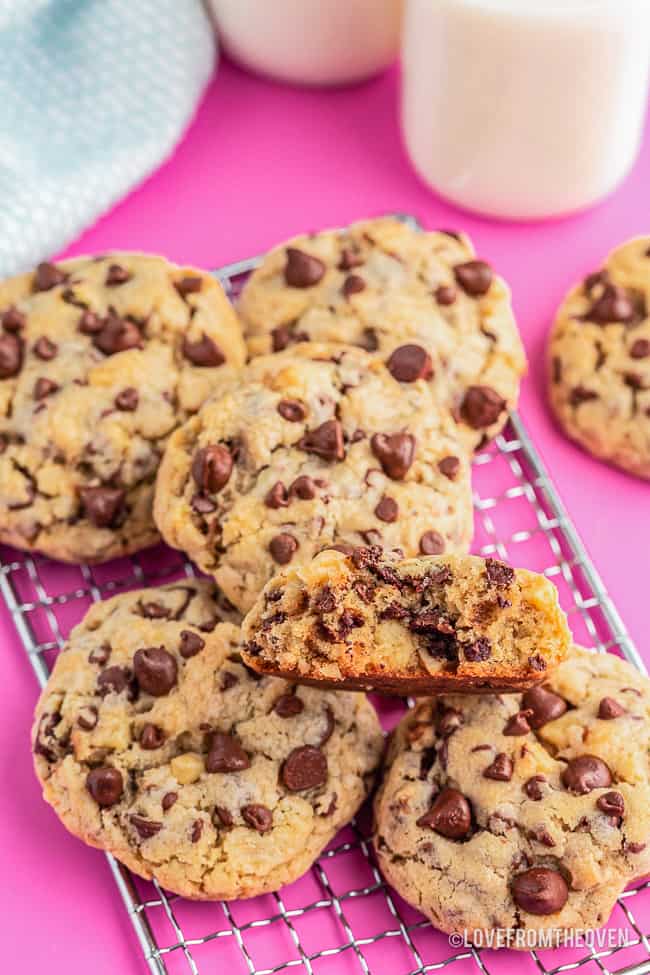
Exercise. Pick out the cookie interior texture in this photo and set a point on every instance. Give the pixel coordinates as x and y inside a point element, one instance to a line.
<point>312,447</point>
<point>413,626</point>
<point>599,360</point>
<point>408,295</point>
<point>525,812</point>
<point>154,742</point>
<point>100,360</point>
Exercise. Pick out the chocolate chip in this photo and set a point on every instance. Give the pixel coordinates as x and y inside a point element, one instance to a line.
<point>533,787</point>
<point>258,817</point>
<point>189,285</point>
<point>304,768</point>
<point>90,323</point>
<point>450,815</point>
<point>154,611</point>
<point>11,355</point>
<point>369,340</point>
<point>409,363</point>
<point>449,466</point>
<point>325,441</point>
<point>291,410</point>
<point>395,453</point>
<point>44,387</point>
<point>432,543</point>
<point>640,349</point>
<point>536,662</point>
<point>585,773</point>
<point>448,722</point>
<point>352,285</point>
<point>226,755</point>
<point>481,407</point>
<point>145,828</point>
<point>105,785</point>
<point>48,276</point>
<point>228,680</point>
<point>282,548</point>
<point>518,724</point>
<point>474,277</point>
<point>288,705</point>
<point>223,816</point>
<point>609,708</point>
<point>635,847</point>
<point>479,650</point>
<point>13,320</point>
<point>540,891</point>
<point>113,680</point>
<point>116,275</point>
<point>127,400</point>
<point>612,804</point>
<point>499,574</point>
<point>151,737</point>
<point>580,395</point>
<point>45,349</point>
<point>277,496</point>
<point>117,335</point>
<point>156,670</point>
<point>168,800</point>
<point>445,295</point>
<point>99,655</point>
<point>614,305</point>
<point>280,338</point>
<point>212,467</point>
<point>303,487</point>
<point>204,352</point>
<point>190,645</point>
<point>197,830</point>
<point>349,259</point>
<point>302,270</point>
<point>87,717</point>
<point>387,509</point>
<point>544,706</point>
<point>102,505</point>
<point>325,601</point>
<point>500,769</point>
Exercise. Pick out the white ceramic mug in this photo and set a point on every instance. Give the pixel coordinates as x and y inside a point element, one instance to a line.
<point>311,42</point>
<point>524,108</point>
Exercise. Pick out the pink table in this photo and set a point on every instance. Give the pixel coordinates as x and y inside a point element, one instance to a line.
<point>260,163</point>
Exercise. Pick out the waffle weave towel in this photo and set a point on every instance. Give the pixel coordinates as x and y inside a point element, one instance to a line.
<point>94,94</point>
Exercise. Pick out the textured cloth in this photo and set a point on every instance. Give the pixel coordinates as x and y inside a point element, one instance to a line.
<point>94,94</point>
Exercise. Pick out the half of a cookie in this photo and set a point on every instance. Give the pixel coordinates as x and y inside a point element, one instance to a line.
<point>416,626</point>
<point>154,742</point>
<point>101,358</point>
<point>521,815</point>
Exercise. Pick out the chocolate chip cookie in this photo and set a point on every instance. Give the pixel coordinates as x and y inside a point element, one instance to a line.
<point>100,359</point>
<point>422,301</point>
<point>154,742</point>
<point>599,360</point>
<point>316,446</point>
<point>527,812</point>
<point>414,626</point>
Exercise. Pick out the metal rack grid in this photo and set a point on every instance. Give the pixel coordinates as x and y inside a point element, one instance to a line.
<point>341,917</point>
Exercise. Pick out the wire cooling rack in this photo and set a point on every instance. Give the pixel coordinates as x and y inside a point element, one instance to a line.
<point>341,918</point>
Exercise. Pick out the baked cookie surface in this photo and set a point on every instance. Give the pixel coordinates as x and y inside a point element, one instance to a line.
<point>414,626</point>
<point>100,359</point>
<point>419,300</point>
<point>153,742</point>
<point>531,812</point>
<point>599,360</point>
<point>309,448</point>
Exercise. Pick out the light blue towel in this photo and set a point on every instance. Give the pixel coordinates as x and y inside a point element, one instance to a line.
<point>94,94</point>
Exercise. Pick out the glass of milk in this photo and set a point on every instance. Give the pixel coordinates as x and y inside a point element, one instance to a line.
<point>310,42</point>
<point>524,109</point>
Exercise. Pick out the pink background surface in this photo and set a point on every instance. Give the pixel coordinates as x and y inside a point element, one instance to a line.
<point>259,163</point>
